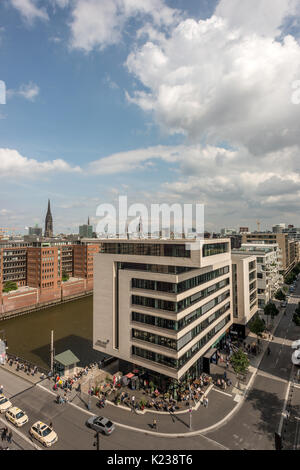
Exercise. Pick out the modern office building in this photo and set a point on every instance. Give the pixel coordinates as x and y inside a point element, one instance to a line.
<point>227,231</point>
<point>35,231</point>
<point>244,292</point>
<point>161,307</point>
<point>278,228</point>
<point>286,246</point>
<point>86,231</point>
<point>268,265</point>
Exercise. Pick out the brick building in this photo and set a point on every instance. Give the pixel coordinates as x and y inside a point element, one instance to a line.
<point>38,270</point>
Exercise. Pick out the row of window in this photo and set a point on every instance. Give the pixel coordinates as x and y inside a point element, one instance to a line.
<point>181,286</point>
<point>154,268</point>
<point>147,249</point>
<point>179,344</point>
<point>179,363</point>
<point>215,249</point>
<point>178,325</point>
<point>181,304</point>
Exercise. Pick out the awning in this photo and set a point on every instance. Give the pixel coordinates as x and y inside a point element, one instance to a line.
<point>210,353</point>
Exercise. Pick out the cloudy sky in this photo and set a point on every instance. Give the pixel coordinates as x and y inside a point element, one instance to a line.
<point>163,101</point>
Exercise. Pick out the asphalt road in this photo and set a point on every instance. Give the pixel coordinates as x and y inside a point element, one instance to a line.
<point>69,423</point>
<point>254,425</point>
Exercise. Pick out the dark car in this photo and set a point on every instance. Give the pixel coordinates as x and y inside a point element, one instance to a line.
<point>100,424</point>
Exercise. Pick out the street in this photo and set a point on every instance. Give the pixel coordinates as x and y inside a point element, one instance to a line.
<point>252,427</point>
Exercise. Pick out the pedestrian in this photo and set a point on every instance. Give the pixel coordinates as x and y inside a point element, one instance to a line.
<point>227,364</point>
<point>1,388</point>
<point>268,351</point>
<point>225,375</point>
<point>205,402</point>
<point>4,433</point>
<point>154,426</point>
<point>9,437</point>
<point>51,425</point>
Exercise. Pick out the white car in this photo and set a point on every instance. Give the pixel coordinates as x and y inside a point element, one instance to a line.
<point>16,416</point>
<point>43,433</point>
<point>296,358</point>
<point>296,344</point>
<point>5,404</point>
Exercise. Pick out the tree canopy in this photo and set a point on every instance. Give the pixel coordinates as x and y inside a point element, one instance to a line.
<point>9,285</point>
<point>239,362</point>
<point>257,325</point>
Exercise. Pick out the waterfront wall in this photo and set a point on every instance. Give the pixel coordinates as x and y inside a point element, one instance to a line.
<point>30,299</point>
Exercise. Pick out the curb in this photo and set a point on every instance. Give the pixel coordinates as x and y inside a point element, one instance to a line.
<point>10,371</point>
<point>140,412</point>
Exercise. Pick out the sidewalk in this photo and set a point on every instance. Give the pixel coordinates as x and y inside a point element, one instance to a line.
<point>32,379</point>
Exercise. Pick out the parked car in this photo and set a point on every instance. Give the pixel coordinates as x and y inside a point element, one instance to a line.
<point>296,358</point>
<point>5,404</point>
<point>16,416</point>
<point>43,433</point>
<point>100,424</point>
<point>296,344</point>
<point>283,304</point>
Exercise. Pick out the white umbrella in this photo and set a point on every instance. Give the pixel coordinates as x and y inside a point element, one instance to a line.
<point>296,344</point>
<point>296,358</point>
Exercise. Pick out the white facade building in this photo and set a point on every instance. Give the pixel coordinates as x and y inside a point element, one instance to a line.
<point>159,307</point>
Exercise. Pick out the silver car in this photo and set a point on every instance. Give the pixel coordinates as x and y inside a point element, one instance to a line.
<point>100,424</point>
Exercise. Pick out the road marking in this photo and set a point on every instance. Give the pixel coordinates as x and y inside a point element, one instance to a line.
<point>144,431</point>
<point>221,391</point>
<point>19,433</point>
<point>283,413</point>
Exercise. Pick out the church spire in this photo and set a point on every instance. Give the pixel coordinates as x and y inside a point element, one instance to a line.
<point>48,222</point>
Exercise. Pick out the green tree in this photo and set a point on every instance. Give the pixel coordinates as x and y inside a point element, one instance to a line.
<point>271,310</point>
<point>65,276</point>
<point>240,364</point>
<point>280,295</point>
<point>290,278</point>
<point>9,285</point>
<point>296,316</point>
<point>296,319</point>
<point>257,326</point>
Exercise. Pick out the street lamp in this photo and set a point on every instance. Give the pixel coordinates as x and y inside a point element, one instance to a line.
<point>190,410</point>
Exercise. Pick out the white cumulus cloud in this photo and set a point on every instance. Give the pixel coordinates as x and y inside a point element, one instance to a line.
<point>28,91</point>
<point>30,10</point>
<point>209,80</point>
<point>96,24</point>
<point>13,164</point>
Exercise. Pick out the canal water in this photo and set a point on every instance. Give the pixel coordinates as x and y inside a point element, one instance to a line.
<point>28,336</point>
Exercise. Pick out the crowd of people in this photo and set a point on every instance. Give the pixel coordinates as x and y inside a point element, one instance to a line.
<point>6,436</point>
<point>22,365</point>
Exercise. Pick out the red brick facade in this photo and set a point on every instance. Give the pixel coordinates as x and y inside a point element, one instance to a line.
<point>43,275</point>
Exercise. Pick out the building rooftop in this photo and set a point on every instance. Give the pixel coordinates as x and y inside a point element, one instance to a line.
<point>67,358</point>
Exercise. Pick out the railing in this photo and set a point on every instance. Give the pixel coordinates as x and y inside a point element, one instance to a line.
<point>26,363</point>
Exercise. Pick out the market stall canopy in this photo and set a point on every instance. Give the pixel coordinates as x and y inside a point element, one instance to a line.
<point>67,358</point>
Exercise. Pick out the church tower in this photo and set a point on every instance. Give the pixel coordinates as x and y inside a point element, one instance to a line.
<point>48,222</point>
